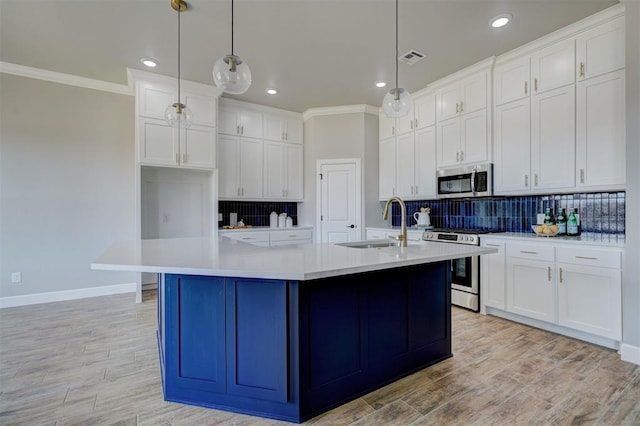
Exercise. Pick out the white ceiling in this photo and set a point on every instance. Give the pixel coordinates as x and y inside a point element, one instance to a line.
<point>316,52</point>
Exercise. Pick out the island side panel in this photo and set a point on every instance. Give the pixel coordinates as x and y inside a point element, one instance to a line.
<point>360,332</point>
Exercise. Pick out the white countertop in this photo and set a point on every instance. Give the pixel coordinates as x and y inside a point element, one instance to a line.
<point>221,256</point>
<point>599,240</point>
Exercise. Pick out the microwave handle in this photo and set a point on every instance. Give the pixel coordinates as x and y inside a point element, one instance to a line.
<point>473,181</point>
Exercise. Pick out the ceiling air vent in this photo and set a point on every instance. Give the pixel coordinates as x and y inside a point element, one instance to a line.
<point>411,57</point>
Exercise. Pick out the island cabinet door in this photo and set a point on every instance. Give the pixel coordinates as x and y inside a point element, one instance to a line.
<point>194,334</point>
<point>257,359</point>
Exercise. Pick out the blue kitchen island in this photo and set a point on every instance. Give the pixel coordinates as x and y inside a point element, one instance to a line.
<point>290,332</point>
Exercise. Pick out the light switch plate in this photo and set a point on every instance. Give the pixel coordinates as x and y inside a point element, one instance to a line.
<point>16,277</point>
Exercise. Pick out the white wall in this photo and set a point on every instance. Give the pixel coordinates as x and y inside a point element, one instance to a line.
<point>631,275</point>
<point>335,136</point>
<point>66,184</point>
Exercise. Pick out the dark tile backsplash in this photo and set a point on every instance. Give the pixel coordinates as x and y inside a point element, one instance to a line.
<point>255,213</point>
<point>600,213</point>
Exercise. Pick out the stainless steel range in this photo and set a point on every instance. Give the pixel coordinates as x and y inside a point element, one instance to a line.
<point>465,272</point>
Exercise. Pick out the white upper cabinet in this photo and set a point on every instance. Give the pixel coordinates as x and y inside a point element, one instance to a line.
<point>600,132</point>
<point>462,131</point>
<point>553,66</point>
<point>387,126</point>
<point>512,81</point>
<point>158,143</point>
<point>553,139</point>
<point>240,168</point>
<point>422,114</point>
<point>600,50</point>
<point>279,128</point>
<point>512,147</point>
<point>240,122</point>
<point>387,168</point>
<point>282,171</point>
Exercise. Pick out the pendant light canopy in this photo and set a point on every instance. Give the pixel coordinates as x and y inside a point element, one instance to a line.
<point>230,73</point>
<point>397,103</point>
<point>178,114</point>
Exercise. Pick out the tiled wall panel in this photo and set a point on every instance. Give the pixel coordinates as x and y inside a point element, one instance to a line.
<point>600,213</point>
<point>255,213</point>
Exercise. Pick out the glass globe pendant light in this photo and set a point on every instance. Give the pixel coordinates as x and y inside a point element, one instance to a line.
<point>230,73</point>
<point>397,102</point>
<point>178,114</point>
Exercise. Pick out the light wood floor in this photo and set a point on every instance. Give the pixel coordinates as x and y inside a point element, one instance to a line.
<point>94,361</point>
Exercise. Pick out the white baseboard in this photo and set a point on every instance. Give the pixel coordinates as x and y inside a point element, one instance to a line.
<point>630,353</point>
<point>59,296</point>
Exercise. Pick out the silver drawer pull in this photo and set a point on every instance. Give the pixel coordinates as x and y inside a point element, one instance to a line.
<point>492,245</point>
<point>528,252</point>
<point>586,258</point>
<point>247,238</point>
<point>292,236</point>
<point>549,273</point>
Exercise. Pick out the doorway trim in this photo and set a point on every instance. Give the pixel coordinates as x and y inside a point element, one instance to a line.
<point>359,210</point>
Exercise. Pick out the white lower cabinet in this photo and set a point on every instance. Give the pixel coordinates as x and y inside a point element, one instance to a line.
<point>384,233</point>
<point>492,270</point>
<point>531,288</point>
<point>574,289</point>
<point>271,237</point>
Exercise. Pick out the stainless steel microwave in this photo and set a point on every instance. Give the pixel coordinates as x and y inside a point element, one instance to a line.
<point>467,181</point>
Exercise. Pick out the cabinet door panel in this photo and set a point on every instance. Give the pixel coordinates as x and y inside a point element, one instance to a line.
<point>512,147</point>
<point>229,121</point>
<point>425,111</point>
<point>425,162</point>
<point>202,107</point>
<point>251,168</point>
<point>273,127</point>
<point>474,137</point>
<point>274,170</point>
<point>448,102</point>
<point>600,138</point>
<point>553,139</point>
<point>511,81</point>
<point>531,289</point>
<point>228,166</point>
<point>492,268</point>
<point>387,162</point>
<point>386,126</point>
<point>295,131</point>
<point>199,147</point>
<point>294,179</point>
<point>601,50</point>
<point>251,124</point>
<point>589,299</point>
<point>474,93</point>
<point>258,374</point>
<point>153,99</point>
<point>448,142</point>
<point>405,124</point>
<point>158,142</point>
<point>405,165</point>
<point>553,66</point>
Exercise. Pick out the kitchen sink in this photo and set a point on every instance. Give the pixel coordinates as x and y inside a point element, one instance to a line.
<point>366,244</point>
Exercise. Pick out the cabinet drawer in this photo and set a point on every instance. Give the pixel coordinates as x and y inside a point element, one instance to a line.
<point>376,234</point>
<point>590,257</point>
<point>527,251</point>
<point>291,235</point>
<point>247,237</point>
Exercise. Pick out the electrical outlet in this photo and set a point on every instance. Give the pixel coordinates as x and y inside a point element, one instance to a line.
<point>16,277</point>
<point>220,219</point>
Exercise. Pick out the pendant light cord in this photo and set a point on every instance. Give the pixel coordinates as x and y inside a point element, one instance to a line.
<point>231,27</point>
<point>396,58</point>
<point>179,99</point>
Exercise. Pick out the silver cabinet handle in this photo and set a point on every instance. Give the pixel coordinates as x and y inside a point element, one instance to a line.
<point>525,87</point>
<point>528,252</point>
<point>549,272</point>
<point>461,155</point>
<point>238,129</point>
<point>416,189</point>
<point>526,181</point>
<point>393,130</point>
<point>535,179</point>
<point>461,106</point>
<point>457,155</point>
<point>581,69</point>
<point>560,274</point>
<point>581,175</point>
<point>457,108</point>
<point>492,245</point>
<point>586,258</point>
<point>416,123</point>
<point>535,85</point>
<point>412,124</point>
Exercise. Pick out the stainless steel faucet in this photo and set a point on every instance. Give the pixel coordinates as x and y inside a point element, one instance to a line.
<point>402,238</point>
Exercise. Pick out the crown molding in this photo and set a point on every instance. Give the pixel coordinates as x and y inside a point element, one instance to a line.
<point>62,78</point>
<point>484,65</point>
<point>134,76</point>
<point>345,109</point>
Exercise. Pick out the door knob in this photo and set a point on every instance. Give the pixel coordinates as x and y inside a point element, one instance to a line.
<point>351,226</point>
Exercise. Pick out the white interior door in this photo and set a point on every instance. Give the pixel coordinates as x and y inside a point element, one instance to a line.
<point>340,200</point>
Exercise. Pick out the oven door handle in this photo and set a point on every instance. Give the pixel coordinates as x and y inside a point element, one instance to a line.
<point>473,182</point>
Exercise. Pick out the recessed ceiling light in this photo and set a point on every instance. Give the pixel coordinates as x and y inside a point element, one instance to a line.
<point>272,91</point>
<point>380,84</point>
<point>500,20</point>
<point>149,62</point>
